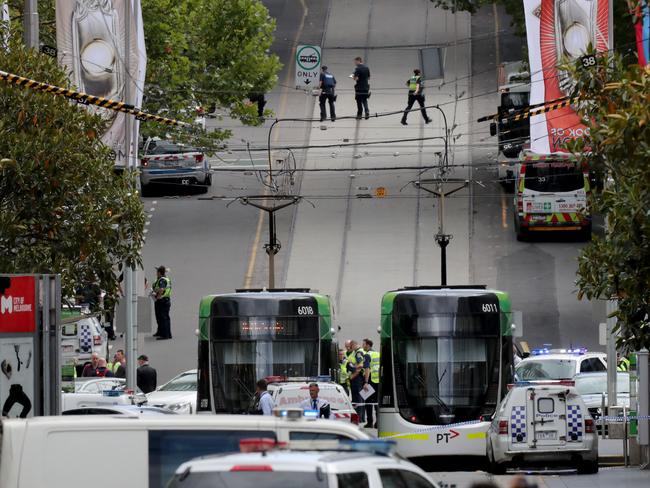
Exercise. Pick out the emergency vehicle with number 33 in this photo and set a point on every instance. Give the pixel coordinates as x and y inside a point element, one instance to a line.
<point>551,194</point>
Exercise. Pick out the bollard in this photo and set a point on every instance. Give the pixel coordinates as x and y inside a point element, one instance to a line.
<point>603,413</point>
<point>625,453</point>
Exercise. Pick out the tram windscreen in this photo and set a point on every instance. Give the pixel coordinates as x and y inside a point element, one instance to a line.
<point>246,349</point>
<point>446,365</point>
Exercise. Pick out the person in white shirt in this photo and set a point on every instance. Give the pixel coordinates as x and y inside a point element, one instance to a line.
<point>316,403</point>
<point>264,403</point>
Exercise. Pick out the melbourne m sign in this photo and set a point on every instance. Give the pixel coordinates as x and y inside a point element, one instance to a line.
<point>308,62</point>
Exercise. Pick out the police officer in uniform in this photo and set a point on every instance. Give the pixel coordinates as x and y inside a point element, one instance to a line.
<point>356,365</point>
<point>371,379</point>
<point>415,95</point>
<point>162,292</point>
<point>327,86</point>
<point>361,76</point>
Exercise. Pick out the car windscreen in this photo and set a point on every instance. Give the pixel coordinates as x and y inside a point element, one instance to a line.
<point>167,147</point>
<point>553,177</point>
<point>249,479</point>
<point>597,384</point>
<point>546,369</point>
<point>187,382</point>
<point>291,397</point>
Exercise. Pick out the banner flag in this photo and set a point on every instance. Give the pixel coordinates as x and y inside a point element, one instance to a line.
<point>559,31</point>
<point>91,40</point>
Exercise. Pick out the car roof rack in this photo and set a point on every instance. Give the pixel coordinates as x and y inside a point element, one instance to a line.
<point>272,290</point>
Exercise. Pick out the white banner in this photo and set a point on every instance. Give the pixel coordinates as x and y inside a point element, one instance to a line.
<point>4,25</point>
<point>92,42</point>
<point>557,31</point>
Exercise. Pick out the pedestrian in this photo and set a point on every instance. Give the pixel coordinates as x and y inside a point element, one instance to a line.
<point>314,402</point>
<point>102,370</point>
<point>361,77</point>
<point>89,368</point>
<point>146,376</point>
<point>356,365</point>
<point>263,404</point>
<point>371,381</point>
<point>416,94</point>
<point>260,100</point>
<point>162,292</point>
<point>118,366</point>
<point>327,93</point>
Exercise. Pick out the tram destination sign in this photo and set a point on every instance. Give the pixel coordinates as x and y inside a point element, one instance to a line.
<point>308,63</point>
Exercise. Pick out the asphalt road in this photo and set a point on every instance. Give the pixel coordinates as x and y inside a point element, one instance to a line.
<point>347,245</point>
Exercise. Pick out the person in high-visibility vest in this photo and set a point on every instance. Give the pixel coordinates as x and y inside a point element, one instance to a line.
<point>344,376</point>
<point>371,380</point>
<point>623,364</point>
<point>416,94</point>
<point>162,292</point>
<point>356,367</point>
<point>118,364</point>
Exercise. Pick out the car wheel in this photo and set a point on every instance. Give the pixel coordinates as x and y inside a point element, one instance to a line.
<point>208,179</point>
<point>588,467</point>
<point>522,235</point>
<point>585,233</point>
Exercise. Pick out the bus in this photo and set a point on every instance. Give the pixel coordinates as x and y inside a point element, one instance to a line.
<point>446,361</point>
<point>253,334</point>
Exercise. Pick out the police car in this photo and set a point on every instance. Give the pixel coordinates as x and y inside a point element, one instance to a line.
<point>559,364</point>
<point>319,465</point>
<point>542,424</point>
<point>81,335</point>
<point>99,392</point>
<point>290,393</point>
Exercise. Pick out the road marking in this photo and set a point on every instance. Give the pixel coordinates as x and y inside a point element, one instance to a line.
<point>283,101</point>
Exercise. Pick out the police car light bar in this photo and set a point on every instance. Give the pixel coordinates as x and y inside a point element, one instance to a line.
<point>539,351</point>
<point>299,379</point>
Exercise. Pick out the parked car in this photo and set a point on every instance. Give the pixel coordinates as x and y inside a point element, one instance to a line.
<point>178,394</point>
<point>172,162</point>
<point>592,387</point>
<point>559,364</point>
<point>92,392</point>
<point>81,335</point>
<point>542,424</point>
<point>325,465</point>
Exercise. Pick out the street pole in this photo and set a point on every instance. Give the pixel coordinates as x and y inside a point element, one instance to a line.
<point>612,395</point>
<point>129,275</point>
<point>272,248</point>
<point>441,238</point>
<point>30,20</point>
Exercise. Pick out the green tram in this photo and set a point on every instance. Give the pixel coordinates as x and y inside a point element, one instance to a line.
<point>253,334</point>
<point>446,361</point>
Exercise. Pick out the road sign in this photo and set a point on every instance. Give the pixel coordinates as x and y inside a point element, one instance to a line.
<point>308,62</point>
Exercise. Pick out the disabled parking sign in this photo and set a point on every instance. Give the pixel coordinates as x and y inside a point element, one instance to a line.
<point>308,63</point>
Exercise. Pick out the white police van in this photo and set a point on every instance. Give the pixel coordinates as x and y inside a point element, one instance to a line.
<point>263,463</point>
<point>542,424</point>
<point>42,452</point>
<point>559,364</point>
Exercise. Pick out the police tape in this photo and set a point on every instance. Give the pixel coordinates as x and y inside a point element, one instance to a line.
<point>621,418</point>
<point>86,99</point>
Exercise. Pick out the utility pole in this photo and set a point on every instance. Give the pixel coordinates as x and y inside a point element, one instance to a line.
<point>131,289</point>
<point>273,246</point>
<point>30,20</point>
<point>440,237</point>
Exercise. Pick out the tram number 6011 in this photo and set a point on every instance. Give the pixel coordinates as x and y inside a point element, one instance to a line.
<point>306,310</point>
<point>490,307</point>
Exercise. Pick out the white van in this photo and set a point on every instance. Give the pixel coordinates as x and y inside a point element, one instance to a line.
<point>77,452</point>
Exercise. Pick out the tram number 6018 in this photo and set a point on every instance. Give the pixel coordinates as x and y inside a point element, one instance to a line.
<point>306,310</point>
<point>490,308</point>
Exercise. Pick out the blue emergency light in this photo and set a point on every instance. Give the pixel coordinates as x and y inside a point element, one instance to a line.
<point>375,446</point>
<point>311,414</point>
<point>539,351</point>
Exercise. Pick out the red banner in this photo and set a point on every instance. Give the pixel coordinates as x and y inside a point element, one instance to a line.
<point>17,304</point>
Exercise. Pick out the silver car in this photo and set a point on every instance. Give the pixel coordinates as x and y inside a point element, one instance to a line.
<point>171,162</point>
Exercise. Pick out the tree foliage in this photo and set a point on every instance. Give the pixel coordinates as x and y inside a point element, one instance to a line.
<point>615,104</point>
<point>62,208</point>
